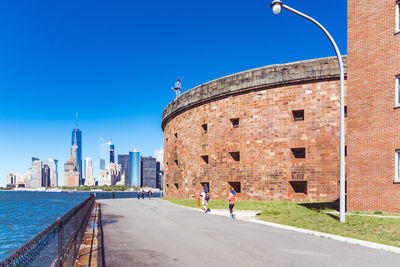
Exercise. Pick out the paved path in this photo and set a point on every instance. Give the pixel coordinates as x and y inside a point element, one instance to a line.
<point>158,233</point>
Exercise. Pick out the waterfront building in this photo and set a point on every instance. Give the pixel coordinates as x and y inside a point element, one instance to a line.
<point>77,141</point>
<point>106,154</point>
<point>18,179</point>
<point>36,173</point>
<point>89,178</point>
<point>134,168</point>
<point>53,165</point>
<point>45,176</point>
<point>123,160</point>
<point>271,133</point>
<point>71,173</point>
<point>159,155</point>
<point>110,176</point>
<point>160,174</point>
<point>149,172</point>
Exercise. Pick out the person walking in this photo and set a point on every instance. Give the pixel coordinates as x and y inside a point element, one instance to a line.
<point>204,200</point>
<point>143,193</point>
<point>138,193</point>
<point>231,199</point>
<point>149,193</point>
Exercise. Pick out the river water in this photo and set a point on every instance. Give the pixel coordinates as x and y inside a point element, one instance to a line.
<point>24,214</point>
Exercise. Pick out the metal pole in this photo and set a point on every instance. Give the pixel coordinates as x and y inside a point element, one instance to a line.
<point>342,211</point>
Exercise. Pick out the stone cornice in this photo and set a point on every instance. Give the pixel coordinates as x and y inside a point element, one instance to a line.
<point>267,77</point>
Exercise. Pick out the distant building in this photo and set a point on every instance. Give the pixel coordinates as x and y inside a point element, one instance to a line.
<point>77,141</point>
<point>134,168</point>
<point>18,179</point>
<point>149,172</point>
<point>45,175</point>
<point>52,163</point>
<point>160,176</point>
<point>123,160</point>
<point>35,180</point>
<point>106,154</point>
<point>111,176</point>
<point>71,173</point>
<point>89,178</point>
<point>159,155</point>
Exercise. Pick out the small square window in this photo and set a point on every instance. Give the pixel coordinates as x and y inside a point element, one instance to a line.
<point>176,135</point>
<point>204,128</point>
<point>299,186</point>
<point>176,162</point>
<point>298,115</point>
<point>235,155</point>
<point>235,122</point>
<point>168,185</point>
<point>176,185</point>
<point>236,186</point>
<point>299,153</point>
<point>207,184</point>
<point>205,158</point>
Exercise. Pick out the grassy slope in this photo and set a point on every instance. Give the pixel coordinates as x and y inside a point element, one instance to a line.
<point>312,216</point>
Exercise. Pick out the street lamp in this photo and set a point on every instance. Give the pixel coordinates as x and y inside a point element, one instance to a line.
<point>276,9</point>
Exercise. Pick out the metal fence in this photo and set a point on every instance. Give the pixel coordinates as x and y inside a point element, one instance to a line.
<point>58,244</point>
<point>110,195</point>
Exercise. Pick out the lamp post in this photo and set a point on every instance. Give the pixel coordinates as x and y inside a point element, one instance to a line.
<point>276,9</point>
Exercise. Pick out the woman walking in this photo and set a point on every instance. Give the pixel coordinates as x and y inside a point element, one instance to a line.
<point>231,198</point>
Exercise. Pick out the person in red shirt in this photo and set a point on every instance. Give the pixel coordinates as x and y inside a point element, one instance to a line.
<point>231,198</point>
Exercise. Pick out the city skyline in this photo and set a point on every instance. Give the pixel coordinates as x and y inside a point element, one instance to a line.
<point>114,64</point>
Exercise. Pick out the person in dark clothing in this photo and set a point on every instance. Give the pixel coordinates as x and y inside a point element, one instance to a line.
<point>138,194</point>
<point>149,194</point>
<point>143,193</point>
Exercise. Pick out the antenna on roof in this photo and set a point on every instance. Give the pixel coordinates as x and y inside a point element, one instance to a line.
<point>77,120</point>
<point>177,88</point>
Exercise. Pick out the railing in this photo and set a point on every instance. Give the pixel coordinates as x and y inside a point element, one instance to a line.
<point>110,195</point>
<point>58,244</point>
<point>100,239</point>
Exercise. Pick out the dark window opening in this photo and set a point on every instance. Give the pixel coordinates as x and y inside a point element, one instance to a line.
<point>205,158</point>
<point>176,162</point>
<point>203,184</point>
<point>235,122</point>
<point>235,155</point>
<point>345,111</point>
<point>176,135</point>
<point>176,185</point>
<point>236,186</point>
<point>299,153</point>
<point>299,186</point>
<point>298,115</point>
<point>167,139</point>
<point>168,185</point>
<point>345,151</point>
<point>204,128</point>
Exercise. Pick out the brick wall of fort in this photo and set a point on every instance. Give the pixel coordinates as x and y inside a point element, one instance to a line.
<point>373,117</point>
<point>260,155</point>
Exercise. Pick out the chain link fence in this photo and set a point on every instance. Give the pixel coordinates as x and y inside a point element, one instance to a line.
<point>58,244</point>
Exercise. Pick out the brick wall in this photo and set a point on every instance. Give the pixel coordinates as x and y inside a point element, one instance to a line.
<point>373,122</point>
<point>267,131</point>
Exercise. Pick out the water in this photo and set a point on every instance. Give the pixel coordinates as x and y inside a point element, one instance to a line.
<point>25,214</point>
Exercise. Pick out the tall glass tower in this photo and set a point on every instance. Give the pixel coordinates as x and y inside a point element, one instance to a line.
<point>134,167</point>
<point>77,141</point>
<point>106,154</point>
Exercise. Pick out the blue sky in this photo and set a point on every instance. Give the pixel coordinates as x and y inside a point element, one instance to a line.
<point>114,63</point>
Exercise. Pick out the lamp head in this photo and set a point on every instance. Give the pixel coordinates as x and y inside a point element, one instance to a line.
<point>276,6</point>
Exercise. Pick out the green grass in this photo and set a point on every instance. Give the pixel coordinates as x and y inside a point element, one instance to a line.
<point>312,215</point>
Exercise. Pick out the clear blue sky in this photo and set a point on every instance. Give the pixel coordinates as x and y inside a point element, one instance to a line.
<point>114,63</point>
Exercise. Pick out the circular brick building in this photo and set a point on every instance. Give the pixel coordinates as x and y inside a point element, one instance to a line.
<point>271,133</point>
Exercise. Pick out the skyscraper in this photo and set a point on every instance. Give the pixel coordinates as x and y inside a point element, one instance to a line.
<point>36,173</point>
<point>52,163</point>
<point>134,167</point>
<point>71,173</point>
<point>106,154</point>
<point>45,176</point>
<point>89,178</point>
<point>123,160</point>
<point>159,155</point>
<point>77,141</point>
<point>149,171</point>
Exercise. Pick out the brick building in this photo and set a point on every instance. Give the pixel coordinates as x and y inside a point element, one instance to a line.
<point>270,132</point>
<point>373,104</point>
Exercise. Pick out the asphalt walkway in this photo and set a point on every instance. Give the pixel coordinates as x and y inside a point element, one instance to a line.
<point>158,233</point>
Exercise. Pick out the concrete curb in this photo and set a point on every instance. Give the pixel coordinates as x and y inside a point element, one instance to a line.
<point>330,236</point>
<point>315,233</point>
